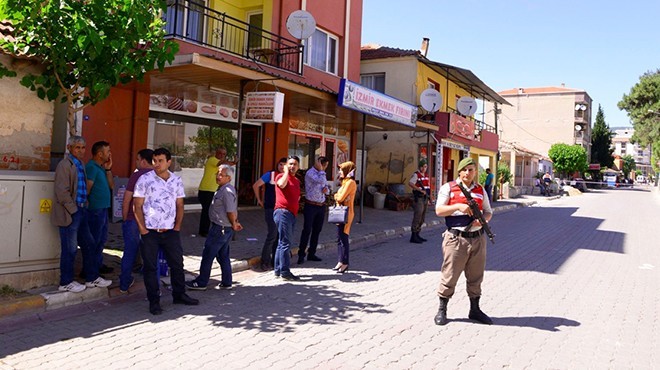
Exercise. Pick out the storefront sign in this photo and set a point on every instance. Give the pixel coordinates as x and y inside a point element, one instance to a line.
<point>450,144</point>
<point>461,127</point>
<point>222,107</point>
<point>357,97</point>
<point>264,106</point>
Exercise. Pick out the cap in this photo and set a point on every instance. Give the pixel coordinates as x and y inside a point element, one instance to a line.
<point>464,163</point>
<point>422,162</point>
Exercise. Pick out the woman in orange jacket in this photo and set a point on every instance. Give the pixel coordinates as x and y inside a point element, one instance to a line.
<point>345,196</point>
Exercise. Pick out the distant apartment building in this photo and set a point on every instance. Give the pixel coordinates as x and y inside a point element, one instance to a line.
<point>623,146</point>
<point>542,116</point>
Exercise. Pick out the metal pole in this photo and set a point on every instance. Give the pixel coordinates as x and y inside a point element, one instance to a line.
<point>240,135</point>
<point>497,157</point>
<point>362,185</point>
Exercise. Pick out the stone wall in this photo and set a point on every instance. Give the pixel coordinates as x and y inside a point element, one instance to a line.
<point>25,121</point>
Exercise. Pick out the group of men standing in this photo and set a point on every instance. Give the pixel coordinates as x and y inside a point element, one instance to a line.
<point>80,210</point>
<point>153,214</point>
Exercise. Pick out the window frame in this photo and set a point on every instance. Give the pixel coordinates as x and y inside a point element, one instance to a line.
<point>309,50</point>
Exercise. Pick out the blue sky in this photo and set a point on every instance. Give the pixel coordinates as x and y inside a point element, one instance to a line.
<point>602,47</point>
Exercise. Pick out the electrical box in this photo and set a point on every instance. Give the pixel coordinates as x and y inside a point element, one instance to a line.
<point>28,241</point>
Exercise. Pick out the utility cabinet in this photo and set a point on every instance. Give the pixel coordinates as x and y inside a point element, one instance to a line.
<point>28,241</point>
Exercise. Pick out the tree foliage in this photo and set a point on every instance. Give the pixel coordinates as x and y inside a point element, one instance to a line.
<point>601,141</point>
<point>628,165</point>
<point>643,107</point>
<point>568,159</point>
<point>88,46</point>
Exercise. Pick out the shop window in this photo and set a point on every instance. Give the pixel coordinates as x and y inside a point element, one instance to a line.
<point>191,145</point>
<point>307,148</point>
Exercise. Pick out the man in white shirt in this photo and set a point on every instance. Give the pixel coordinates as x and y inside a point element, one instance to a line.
<point>158,206</point>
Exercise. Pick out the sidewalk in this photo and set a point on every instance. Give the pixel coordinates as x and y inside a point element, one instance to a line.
<point>245,252</point>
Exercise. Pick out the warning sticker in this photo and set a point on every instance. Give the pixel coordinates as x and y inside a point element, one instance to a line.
<point>45,205</point>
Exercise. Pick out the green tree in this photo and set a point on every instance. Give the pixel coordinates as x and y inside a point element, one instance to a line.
<point>628,165</point>
<point>643,107</point>
<point>88,46</point>
<point>209,138</point>
<point>601,141</point>
<point>568,158</point>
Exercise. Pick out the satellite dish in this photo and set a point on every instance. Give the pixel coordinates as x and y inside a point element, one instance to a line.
<point>431,100</point>
<point>578,128</point>
<point>583,107</point>
<point>577,106</point>
<point>301,24</point>
<point>466,105</point>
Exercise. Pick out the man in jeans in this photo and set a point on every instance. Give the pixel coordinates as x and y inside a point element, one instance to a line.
<point>129,226</point>
<point>287,196</point>
<point>315,190</point>
<point>158,206</point>
<point>69,210</point>
<point>224,222</point>
<point>99,187</point>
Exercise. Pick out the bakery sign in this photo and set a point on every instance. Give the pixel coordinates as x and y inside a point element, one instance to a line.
<point>264,106</point>
<point>359,98</point>
<point>223,108</point>
<point>461,127</point>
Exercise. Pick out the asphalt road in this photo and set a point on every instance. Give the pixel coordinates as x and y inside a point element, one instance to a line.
<point>571,284</point>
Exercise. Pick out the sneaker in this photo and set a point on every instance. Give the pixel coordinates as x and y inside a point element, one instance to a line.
<point>224,287</point>
<point>129,286</point>
<point>74,287</point>
<point>98,283</point>
<point>193,285</point>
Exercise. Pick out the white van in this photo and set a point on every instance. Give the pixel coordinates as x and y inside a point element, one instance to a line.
<point>641,179</point>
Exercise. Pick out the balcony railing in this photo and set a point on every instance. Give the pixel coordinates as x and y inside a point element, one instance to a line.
<point>193,21</point>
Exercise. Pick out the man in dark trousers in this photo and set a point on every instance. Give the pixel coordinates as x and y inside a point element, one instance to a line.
<point>69,211</point>
<point>224,222</point>
<point>316,188</point>
<point>158,206</point>
<point>464,242</point>
<point>421,186</point>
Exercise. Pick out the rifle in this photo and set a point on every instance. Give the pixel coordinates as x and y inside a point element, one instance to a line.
<point>476,213</point>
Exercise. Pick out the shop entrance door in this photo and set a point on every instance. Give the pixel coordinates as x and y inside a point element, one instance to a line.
<point>249,159</point>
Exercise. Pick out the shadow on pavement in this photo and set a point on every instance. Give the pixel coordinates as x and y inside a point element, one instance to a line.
<point>546,323</point>
<point>546,239</point>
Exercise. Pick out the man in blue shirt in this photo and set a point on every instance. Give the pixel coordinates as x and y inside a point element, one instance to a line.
<point>99,187</point>
<point>489,184</point>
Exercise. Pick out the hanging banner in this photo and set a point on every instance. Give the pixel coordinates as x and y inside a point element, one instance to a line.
<point>359,98</point>
<point>264,106</point>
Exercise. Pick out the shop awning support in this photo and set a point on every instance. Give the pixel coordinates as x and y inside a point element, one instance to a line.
<point>362,165</point>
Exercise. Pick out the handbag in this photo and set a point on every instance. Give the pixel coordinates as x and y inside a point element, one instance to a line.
<point>337,214</point>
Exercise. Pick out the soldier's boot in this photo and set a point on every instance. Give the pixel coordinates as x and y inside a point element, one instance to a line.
<point>441,317</point>
<point>476,313</point>
<point>414,238</point>
<point>419,236</point>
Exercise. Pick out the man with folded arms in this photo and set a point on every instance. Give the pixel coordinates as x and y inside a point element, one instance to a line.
<point>158,206</point>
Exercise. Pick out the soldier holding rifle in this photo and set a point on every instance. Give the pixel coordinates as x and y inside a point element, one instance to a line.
<point>464,242</point>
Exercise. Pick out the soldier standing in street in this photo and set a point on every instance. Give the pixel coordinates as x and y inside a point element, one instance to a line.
<point>464,242</point>
<point>421,186</point>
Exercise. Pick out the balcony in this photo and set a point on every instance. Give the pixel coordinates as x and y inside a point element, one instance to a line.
<point>192,21</point>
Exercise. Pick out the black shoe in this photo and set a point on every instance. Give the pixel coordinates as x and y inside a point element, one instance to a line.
<point>105,269</point>
<point>476,313</point>
<point>414,238</point>
<point>313,257</point>
<point>441,317</point>
<point>420,238</point>
<point>301,260</point>
<point>185,299</point>
<point>290,277</point>
<point>155,309</point>
<point>343,269</point>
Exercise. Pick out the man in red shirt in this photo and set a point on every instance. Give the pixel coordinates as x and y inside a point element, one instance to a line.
<point>287,196</point>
